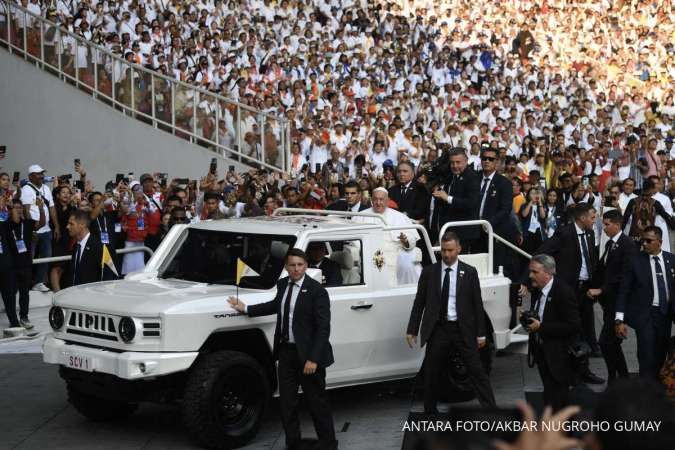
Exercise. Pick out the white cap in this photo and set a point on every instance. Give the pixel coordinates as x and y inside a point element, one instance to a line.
<point>35,168</point>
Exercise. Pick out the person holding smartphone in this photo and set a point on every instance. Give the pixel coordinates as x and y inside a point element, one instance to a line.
<point>533,217</point>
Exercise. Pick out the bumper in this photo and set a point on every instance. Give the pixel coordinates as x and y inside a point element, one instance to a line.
<point>126,365</point>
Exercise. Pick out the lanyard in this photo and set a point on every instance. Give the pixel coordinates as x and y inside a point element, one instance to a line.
<point>103,228</point>
<point>20,238</point>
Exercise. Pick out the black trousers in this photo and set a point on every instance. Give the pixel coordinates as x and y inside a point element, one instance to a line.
<point>587,315</point>
<point>11,282</point>
<point>444,339</point>
<point>556,393</point>
<point>610,345</point>
<point>652,343</point>
<point>314,388</point>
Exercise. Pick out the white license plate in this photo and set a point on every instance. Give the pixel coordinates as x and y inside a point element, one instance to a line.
<point>79,362</point>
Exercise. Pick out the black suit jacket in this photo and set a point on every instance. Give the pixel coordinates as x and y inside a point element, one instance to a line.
<point>414,203</point>
<point>311,321</point>
<point>607,275</point>
<point>342,205</point>
<point>498,205</point>
<point>465,192</point>
<point>427,305</point>
<point>560,325</point>
<point>564,246</point>
<point>6,259</point>
<point>636,291</point>
<point>90,270</point>
<point>330,270</point>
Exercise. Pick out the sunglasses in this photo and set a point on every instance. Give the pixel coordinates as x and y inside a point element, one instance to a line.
<point>647,240</point>
<point>488,158</point>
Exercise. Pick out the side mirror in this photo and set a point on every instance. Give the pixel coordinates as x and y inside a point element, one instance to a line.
<point>314,273</point>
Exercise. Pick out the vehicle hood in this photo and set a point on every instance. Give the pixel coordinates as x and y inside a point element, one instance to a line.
<point>149,297</point>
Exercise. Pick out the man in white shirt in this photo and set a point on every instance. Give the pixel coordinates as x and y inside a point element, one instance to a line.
<point>43,246</point>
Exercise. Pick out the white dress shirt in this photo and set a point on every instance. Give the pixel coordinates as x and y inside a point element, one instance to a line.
<point>583,272</point>
<point>543,299</point>
<point>655,286</point>
<point>452,298</point>
<point>83,244</point>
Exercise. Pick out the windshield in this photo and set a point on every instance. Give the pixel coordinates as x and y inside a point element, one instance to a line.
<point>208,256</point>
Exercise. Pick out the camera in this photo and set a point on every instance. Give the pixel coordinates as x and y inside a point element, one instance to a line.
<point>527,316</point>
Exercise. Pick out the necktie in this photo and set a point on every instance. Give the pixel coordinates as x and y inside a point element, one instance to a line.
<point>661,286</point>
<point>584,252</point>
<point>76,272</point>
<point>403,189</point>
<point>285,336</point>
<point>484,187</point>
<point>608,248</point>
<point>445,294</point>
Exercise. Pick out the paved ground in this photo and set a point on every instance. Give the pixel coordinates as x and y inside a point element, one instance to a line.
<point>34,413</point>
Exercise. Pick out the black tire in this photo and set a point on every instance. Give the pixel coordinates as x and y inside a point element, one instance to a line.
<point>226,396</point>
<point>99,409</point>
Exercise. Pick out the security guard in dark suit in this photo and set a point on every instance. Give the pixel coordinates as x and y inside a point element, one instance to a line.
<point>618,250</point>
<point>449,307</point>
<point>410,196</point>
<point>86,264</point>
<point>302,348</point>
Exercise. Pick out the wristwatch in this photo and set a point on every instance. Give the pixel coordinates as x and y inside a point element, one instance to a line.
<point>618,322</point>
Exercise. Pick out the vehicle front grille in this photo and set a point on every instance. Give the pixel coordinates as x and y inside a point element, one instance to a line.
<point>152,328</point>
<point>96,325</point>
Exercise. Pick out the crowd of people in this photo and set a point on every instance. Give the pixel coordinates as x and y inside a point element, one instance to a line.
<point>552,121</point>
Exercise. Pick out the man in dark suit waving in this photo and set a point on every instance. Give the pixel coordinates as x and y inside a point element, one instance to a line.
<point>301,346</point>
<point>645,302</point>
<point>618,252</point>
<point>495,206</point>
<point>91,260</point>
<point>449,307</point>
<point>553,330</point>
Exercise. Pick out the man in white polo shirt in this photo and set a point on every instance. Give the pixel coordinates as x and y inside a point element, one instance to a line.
<point>43,246</point>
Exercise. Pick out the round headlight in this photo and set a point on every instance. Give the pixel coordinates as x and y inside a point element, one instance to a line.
<point>56,317</point>
<point>127,329</point>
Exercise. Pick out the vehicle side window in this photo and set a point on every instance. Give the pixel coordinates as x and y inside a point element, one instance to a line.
<point>341,262</point>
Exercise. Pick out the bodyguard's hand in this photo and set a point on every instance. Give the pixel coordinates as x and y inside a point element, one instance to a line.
<point>523,290</point>
<point>533,326</point>
<point>593,293</point>
<point>411,340</point>
<point>482,342</point>
<point>310,367</point>
<point>440,194</point>
<point>621,330</point>
<point>237,304</point>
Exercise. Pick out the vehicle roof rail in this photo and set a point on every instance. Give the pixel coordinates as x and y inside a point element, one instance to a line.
<point>323,212</point>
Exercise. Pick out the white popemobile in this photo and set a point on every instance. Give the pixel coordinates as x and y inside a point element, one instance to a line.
<point>168,334</point>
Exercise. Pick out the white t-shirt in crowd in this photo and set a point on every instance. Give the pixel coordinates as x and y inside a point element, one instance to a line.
<point>28,196</point>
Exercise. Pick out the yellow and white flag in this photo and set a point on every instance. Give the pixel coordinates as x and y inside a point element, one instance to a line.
<point>243,270</point>
<point>107,261</point>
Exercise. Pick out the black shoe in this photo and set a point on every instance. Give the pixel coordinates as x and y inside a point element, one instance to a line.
<point>591,378</point>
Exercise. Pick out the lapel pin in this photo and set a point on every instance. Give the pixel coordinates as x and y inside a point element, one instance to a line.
<point>303,290</point>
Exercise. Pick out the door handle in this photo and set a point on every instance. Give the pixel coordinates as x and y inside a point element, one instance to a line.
<point>362,306</point>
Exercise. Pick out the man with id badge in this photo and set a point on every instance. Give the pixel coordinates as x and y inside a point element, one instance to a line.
<point>19,239</point>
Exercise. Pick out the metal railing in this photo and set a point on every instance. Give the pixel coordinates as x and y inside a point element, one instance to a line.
<point>229,128</point>
<point>122,251</point>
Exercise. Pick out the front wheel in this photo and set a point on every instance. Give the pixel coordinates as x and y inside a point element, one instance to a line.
<point>225,398</point>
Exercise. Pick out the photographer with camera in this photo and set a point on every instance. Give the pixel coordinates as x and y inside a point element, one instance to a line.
<point>553,323</point>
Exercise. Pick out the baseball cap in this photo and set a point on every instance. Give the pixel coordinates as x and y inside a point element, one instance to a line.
<point>35,168</point>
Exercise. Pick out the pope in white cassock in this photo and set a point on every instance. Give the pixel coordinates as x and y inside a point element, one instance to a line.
<point>403,243</point>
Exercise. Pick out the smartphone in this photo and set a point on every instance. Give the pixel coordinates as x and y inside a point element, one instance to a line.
<point>119,177</point>
<point>231,168</point>
<point>3,150</point>
<point>66,177</point>
<point>317,168</point>
<point>182,181</point>
<point>130,176</point>
<point>15,177</point>
<point>162,180</point>
<point>214,166</point>
<point>78,184</point>
<point>77,162</point>
<point>584,181</point>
